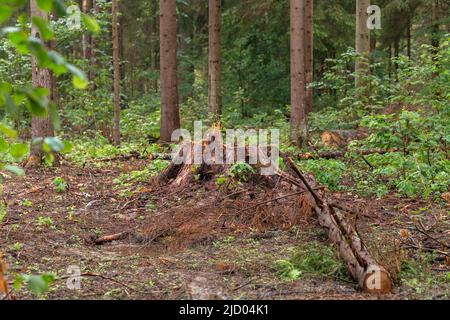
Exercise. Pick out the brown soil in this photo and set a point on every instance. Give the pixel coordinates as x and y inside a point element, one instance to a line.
<point>182,247</point>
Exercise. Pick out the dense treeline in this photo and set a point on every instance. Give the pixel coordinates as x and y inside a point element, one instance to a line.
<point>254,47</point>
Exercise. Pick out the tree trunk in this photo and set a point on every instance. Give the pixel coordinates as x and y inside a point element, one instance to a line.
<point>86,41</point>
<point>116,67</point>
<point>186,68</point>
<point>94,62</point>
<point>154,47</point>
<point>214,88</point>
<point>170,114</point>
<point>371,276</point>
<point>362,41</point>
<point>408,39</point>
<point>41,127</point>
<point>373,43</point>
<point>309,45</point>
<point>435,23</point>
<point>299,128</point>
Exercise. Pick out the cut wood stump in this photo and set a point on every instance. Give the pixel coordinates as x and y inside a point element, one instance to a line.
<point>3,280</point>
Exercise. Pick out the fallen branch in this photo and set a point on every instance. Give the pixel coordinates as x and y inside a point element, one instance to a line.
<point>97,275</point>
<point>372,277</point>
<point>112,237</point>
<point>3,281</point>
<point>294,168</point>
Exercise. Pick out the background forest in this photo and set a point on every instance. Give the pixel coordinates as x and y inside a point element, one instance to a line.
<point>372,122</point>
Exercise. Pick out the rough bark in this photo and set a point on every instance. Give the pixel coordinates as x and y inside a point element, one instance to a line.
<point>371,276</point>
<point>214,70</point>
<point>116,67</point>
<point>408,38</point>
<point>94,62</point>
<point>4,290</point>
<point>435,22</point>
<point>362,41</point>
<point>87,39</point>
<point>309,56</point>
<point>186,70</point>
<point>41,127</point>
<point>170,114</point>
<point>298,92</point>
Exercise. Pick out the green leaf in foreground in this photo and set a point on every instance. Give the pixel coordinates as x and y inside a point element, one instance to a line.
<point>46,5</point>
<point>18,150</point>
<point>90,23</point>
<point>37,284</point>
<point>44,29</point>
<point>14,169</point>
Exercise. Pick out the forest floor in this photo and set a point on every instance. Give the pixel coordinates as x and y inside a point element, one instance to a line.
<point>47,231</point>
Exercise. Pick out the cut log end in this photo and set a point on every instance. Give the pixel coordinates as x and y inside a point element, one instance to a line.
<point>376,281</point>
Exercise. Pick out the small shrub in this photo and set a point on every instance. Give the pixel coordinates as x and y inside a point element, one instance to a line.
<point>59,185</point>
<point>316,259</point>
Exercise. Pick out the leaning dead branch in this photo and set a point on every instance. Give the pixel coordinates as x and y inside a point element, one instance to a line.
<point>372,277</point>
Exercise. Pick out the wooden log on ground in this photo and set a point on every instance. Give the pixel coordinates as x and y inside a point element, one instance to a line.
<point>341,138</point>
<point>371,276</point>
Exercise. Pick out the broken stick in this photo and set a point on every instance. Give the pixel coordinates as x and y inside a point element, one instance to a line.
<point>371,277</point>
<point>112,237</point>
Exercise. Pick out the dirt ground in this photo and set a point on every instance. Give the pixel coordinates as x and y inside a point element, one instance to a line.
<point>239,265</point>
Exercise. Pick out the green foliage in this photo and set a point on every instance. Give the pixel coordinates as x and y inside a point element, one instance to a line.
<point>3,211</point>
<point>37,284</point>
<point>241,171</point>
<point>154,168</point>
<point>222,180</point>
<point>416,274</point>
<point>327,172</point>
<point>287,270</point>
<point>331,118</point>
<point>45,222</point>
<point>422,168</point>
<point>26,203</point>
<point>16,46</point>
<point>141,121</point>
<point>59,185</point>
<point>414,124</point>
<point>316,259</point>
<point>17,246</point>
